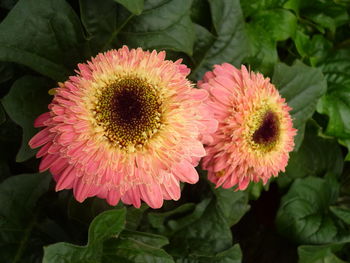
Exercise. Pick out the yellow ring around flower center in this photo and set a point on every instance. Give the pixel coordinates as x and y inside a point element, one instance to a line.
<point>130,112</point>
<point>264,130</point>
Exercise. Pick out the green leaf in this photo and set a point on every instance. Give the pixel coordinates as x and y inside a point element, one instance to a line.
<point>316,156</point>
<point>279,24</point>
<point>230,44</point>
<point>264,30</point>
<point>233,205</point>
<point>18,198</point>
<point>100,21</point>
<point>263,51</point>
<point>206,231</point>
<point>301,86</point>
<point>346,143</point>
<point>250,7</point>
<point>207,235</point>
<point>336,102</point>
<point>52,42</point>
<point>109,223</point>
<point>315,48</point>
<point>134,6</point>
<point>164,24</point>
<point>27,99</point>
<point>304,214</point>
<point>292,5</point>
<point>231,255</point>
<point>6,71</point>
<point>127,249</point>
<point>326,14</point>
<point>204,39</point>
<point>153,240</point>
<point>341,213</point>
<point>316,254</point>
<point>104,226</point>
<point>134,216</point>
<point>157,220</point>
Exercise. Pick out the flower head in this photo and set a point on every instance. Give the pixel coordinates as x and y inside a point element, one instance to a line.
<point>128,126</point>
<point>255,133</point>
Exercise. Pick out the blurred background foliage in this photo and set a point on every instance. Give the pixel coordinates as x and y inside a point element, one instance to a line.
<point>301,216</point>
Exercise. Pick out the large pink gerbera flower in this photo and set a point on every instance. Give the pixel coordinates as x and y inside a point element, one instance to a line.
<point>128,126</point>
<point>255,133</point>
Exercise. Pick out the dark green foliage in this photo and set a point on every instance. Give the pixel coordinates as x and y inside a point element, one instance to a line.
<point>304,216</point>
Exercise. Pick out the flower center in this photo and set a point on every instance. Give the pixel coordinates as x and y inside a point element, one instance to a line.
<point>129,111</point>
<point>268,132</point>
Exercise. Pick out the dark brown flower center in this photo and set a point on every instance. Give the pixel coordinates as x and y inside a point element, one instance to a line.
<point>129,111</point>
<point>268,132</point>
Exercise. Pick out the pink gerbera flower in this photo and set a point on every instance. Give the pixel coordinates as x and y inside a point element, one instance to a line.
<point>128,126</point>
<point>255,133</point>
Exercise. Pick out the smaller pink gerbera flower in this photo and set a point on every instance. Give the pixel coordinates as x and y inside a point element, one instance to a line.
<point>255,133</point>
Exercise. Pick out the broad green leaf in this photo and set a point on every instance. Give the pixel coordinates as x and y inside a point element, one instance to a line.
<point>279,24</point>
<point>231,255</point>
<point>265,28</point>
<point>320,14</point>
<point>318,254</point>
<point>301,86</point>
<point>162,25</point>
<point>157,220</point>
<point>230,44</point>
<point>134,6</point>
<point>18,198</point>
<point>346,143</point>
<point>19,195</point>
<point>315,48</point>
<point>100,21</point>
<point>316,156</point>
<point>206,232</point>
<point>325,13</point>
<point>134,216</point>
<point>153,240</point>
<point>207,236</point>
<point>6,71</point>
<point>263,51</point>
<point>27,99</point>
<point>341,213</point>
<point>250,7</point>
<point>52,42</point>
<point>336,102</point>
<point>127,249</point>
<point>204,40</point>
<point>292,5</point>
<point>304,214</point>
<point>231,204</point>
<point>106,225</point>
